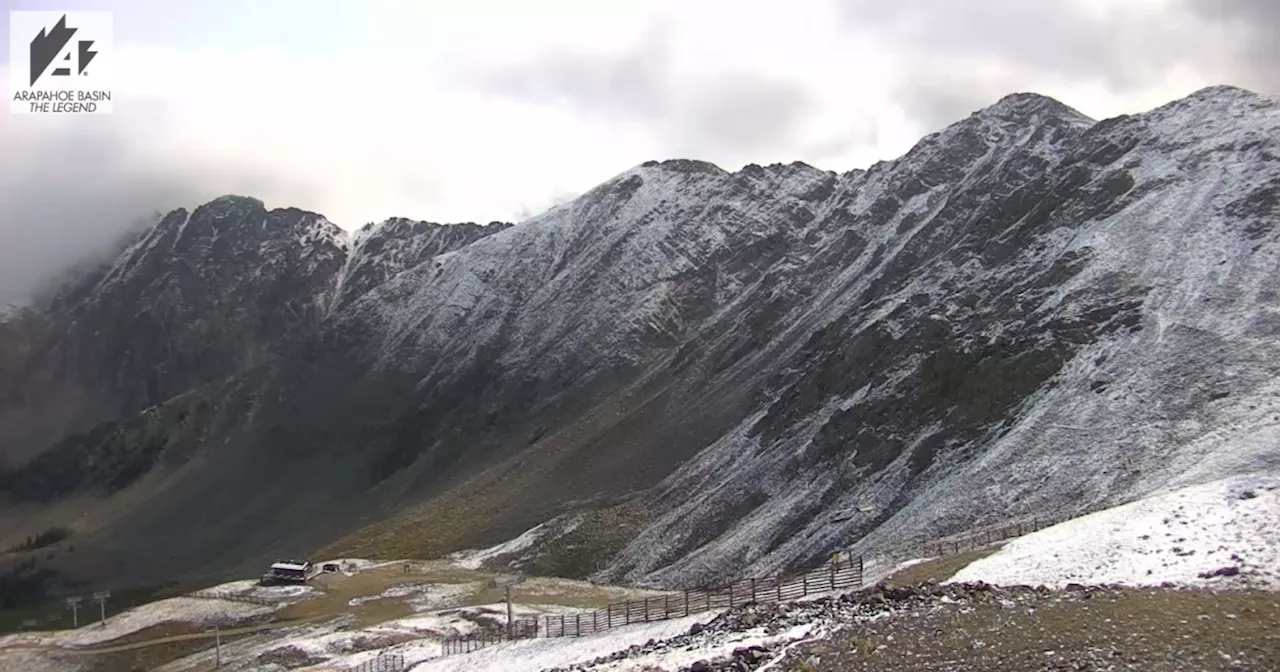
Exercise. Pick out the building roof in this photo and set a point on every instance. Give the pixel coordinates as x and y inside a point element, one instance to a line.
<point>290,566</point>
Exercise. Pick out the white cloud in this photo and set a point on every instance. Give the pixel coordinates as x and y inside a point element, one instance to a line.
<point>393,110</point>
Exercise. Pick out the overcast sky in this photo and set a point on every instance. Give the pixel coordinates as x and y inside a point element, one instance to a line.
<point>484,109</point>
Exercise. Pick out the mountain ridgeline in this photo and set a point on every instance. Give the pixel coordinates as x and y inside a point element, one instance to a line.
<point>684,374</point>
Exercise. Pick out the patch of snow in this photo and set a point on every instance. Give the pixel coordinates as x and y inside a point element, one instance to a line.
<point>280,594</point>
<point>423,596</point>
<point>474,559</point>
<point>680,658</point>
<point>1181,537</point>
<point>531,655</point>
<point>876,570</point>
<point>353,566</point>
<point>552,587</point>
<point>195,611</point>
<point>438,625</point>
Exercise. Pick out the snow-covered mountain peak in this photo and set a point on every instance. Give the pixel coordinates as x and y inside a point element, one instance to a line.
<point>381,250</point>
<point>685,166</point>
<point>1225,93</point>
<point>1222,116</point>
<point>248,220</point>
<point>784,171</point>
<point>1032,108</point>
<point>231,202</point>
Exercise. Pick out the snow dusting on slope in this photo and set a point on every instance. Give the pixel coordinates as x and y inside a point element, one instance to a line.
<point>474,559</point>
<point>1222,533</point>
<point>539,654</point>
<point>198,612</point>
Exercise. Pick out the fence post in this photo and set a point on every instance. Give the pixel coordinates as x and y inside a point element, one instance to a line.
<point>577,625</point>
<point>778,582</point>
<point>686,603</point>
<point>833,576</point>
<point>753,589</point>
<point>805,578</point>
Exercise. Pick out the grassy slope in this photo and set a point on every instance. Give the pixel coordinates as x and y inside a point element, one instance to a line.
<point>937,569</point>
<point>1131,629</point>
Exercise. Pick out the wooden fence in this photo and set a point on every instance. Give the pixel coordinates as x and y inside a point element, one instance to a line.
<point>835,575</point>
<point>973,540</point>
<point>383,663</point>
<point>216,595</point>
<point>832,576</point>
<point>521,628</point>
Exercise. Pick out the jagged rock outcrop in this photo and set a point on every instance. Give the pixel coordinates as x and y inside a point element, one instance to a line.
<point>383,249</point>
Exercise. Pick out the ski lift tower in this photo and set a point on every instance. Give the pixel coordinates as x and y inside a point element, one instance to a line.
<point>74,603</point>
<point>101,599</point>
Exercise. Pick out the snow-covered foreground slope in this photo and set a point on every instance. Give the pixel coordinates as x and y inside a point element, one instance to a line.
<point>1223,533</point>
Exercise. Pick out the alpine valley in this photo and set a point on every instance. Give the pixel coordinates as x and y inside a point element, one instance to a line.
<point>684,375</point>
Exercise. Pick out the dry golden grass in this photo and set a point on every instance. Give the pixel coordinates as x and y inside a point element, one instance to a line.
<point>338,590</point>
<point>147,658</point>
<point>938,569</point>
<point>1136,629</point>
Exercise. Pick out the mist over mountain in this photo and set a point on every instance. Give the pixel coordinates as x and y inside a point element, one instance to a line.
<point>684,373</point>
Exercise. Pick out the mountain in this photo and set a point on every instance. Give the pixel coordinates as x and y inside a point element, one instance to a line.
<point>200,296</point>
<point>384,249</point>
<point>686,373</point>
